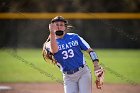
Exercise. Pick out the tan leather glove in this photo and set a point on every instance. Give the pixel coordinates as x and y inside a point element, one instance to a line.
<point>47,53</point>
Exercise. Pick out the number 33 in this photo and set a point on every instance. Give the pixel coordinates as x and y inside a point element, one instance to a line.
<point>68,54</point>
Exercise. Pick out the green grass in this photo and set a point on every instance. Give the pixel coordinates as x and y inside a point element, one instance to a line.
<point>17,70</point>
<point>29,69</point>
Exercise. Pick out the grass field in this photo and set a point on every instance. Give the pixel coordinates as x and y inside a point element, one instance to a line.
<point>27,65</point>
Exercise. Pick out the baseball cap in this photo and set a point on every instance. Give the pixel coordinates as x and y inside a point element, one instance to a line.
<point>59,18</point>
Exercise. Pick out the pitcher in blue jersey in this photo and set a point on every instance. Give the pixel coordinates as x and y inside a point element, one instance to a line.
<point>65,49</point>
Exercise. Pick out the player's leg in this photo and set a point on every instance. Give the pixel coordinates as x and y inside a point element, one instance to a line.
<point>85,82</point>
<point>70,86</point>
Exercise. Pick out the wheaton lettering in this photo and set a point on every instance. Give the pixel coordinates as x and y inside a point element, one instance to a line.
<point>68,45</point>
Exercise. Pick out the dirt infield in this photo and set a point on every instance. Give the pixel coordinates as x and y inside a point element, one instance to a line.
<point>58,88</point>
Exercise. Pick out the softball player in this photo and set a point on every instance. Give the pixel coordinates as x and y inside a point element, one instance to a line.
<point>65,49</point>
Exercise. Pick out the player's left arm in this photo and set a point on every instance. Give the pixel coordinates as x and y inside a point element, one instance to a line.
<point>98,70</point>
<point>94,58</point>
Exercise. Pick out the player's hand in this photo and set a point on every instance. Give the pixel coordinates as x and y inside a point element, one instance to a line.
<point>52,27</point>
<point>99,77</point>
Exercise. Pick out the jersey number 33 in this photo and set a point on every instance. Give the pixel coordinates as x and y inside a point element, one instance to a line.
<point>68,54</point>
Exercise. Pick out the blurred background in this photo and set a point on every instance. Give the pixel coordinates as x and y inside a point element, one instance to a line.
<point>100,33</point>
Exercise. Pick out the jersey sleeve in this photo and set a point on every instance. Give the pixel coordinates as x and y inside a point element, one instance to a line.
<point>83,44</point>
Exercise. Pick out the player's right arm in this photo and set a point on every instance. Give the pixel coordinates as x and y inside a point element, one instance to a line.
<point>53,43</point>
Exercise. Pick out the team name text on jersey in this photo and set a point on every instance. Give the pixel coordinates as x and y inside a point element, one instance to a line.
<point>68,45</point>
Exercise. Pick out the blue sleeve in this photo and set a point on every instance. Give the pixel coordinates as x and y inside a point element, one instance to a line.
<point>83,44</point>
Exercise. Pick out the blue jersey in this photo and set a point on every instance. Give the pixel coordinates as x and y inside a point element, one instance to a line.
<point>69,55</point>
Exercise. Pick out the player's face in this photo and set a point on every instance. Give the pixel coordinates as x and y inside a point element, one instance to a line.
<point>60,25</point>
